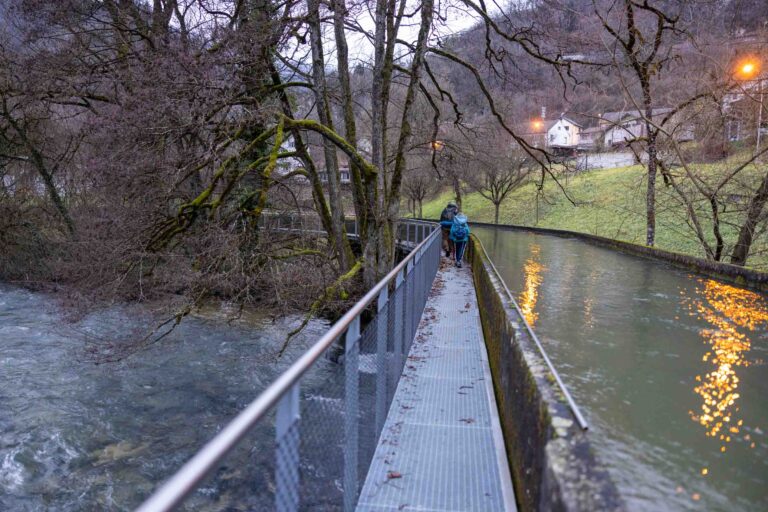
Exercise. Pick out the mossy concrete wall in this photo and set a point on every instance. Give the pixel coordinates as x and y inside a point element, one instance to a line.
<point>553,465</point>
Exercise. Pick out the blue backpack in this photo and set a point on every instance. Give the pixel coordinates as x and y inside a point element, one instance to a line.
<point>460,230</point>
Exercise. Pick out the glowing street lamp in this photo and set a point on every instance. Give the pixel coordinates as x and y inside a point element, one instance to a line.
<point>746,70</point>
<point>537,124</point>
<point>437,145</point>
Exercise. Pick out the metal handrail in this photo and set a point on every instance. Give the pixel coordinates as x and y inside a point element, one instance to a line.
<point>571,403</point>
<point>175,490</point>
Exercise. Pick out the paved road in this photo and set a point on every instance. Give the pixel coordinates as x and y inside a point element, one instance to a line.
<point>605,160</point>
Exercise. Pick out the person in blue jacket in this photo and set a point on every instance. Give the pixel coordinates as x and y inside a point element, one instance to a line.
<point>459,236</point>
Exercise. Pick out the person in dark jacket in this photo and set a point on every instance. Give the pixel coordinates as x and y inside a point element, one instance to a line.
<point>446,221</point>
<point>460,236</point>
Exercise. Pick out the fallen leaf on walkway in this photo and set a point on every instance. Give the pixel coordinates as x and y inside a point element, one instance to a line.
<point>467,420</point>
<point>393,474</point>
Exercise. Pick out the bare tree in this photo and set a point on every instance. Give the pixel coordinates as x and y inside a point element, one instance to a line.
<point>496,171</point>
<point>640,39</point>
<point>419,182</point>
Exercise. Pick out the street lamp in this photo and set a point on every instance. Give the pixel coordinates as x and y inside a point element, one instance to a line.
<point>746,70</point>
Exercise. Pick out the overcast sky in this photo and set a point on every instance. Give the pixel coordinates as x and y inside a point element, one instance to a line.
<point>453,19</point>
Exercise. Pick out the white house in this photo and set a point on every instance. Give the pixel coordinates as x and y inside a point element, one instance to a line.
<point>624,127</point>
<point>564,133</point>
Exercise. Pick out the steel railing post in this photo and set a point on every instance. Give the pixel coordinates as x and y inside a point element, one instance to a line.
<point>416,298</point>
<point>382,325</point>
<point>407,305</point>
<point>351,385</point>
<point>287,441</point>
<point>397,342</point>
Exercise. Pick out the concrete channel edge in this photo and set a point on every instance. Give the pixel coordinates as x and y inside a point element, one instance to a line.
<point>507,489</point>
<point>553,465</point>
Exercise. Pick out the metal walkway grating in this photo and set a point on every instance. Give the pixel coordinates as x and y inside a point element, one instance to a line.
<point>441,447</point>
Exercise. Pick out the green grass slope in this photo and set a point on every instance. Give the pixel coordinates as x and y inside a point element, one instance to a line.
<point>610,203</point>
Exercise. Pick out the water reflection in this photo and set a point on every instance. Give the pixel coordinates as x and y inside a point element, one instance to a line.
<point>727,309</point>
<point>533,278</point>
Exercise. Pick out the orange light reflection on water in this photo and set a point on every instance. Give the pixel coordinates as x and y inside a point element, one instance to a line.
<point>727,309</point>
<point>530,294</point>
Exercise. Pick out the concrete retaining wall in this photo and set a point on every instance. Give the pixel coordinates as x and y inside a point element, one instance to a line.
<point>553,465</point>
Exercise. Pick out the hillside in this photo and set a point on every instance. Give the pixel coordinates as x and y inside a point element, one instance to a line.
<point>609,203</point>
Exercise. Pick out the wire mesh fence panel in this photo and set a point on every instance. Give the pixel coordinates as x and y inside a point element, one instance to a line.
<point>394,327</point>
<point>322,436</point>
<point>372,367</point>
<point>383,360</point>
<point>287,480</point>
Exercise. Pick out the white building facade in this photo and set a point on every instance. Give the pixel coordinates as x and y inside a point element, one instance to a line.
<point>564,133</point>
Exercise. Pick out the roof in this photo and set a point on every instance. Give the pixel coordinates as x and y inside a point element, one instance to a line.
<point>570,120</point>
<point>615,117</point>
<point>593,129</point>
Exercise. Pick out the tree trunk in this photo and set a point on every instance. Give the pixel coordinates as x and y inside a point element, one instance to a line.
<point>42,170</point>
<point>456,189</point>
<point>318,196</point>
<point>406,133</point>
<point>359,181</point>
<point>650,198</point>
<point>496,213</point>
<point>373,248</point>
<point>343,249</point>
<point>747,232</point>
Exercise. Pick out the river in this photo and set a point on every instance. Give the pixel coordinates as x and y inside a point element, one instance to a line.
<point>668,367</point>
<point>75,435</point>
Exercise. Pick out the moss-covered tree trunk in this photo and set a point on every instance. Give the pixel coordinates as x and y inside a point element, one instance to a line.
<point>343,249</point>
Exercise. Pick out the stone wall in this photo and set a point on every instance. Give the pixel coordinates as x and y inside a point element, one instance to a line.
<point>553,465</point>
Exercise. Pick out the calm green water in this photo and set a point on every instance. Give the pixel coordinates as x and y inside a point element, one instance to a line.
<point>79,436</point>
<point>669,368</point>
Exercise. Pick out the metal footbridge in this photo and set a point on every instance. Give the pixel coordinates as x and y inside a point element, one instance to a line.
<point>391,409</point>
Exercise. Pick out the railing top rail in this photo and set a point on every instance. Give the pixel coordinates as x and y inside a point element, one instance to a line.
<point>185,480</point>
<point>571,403</point>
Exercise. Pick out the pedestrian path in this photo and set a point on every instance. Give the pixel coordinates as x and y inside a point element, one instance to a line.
<point>441,448</point>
